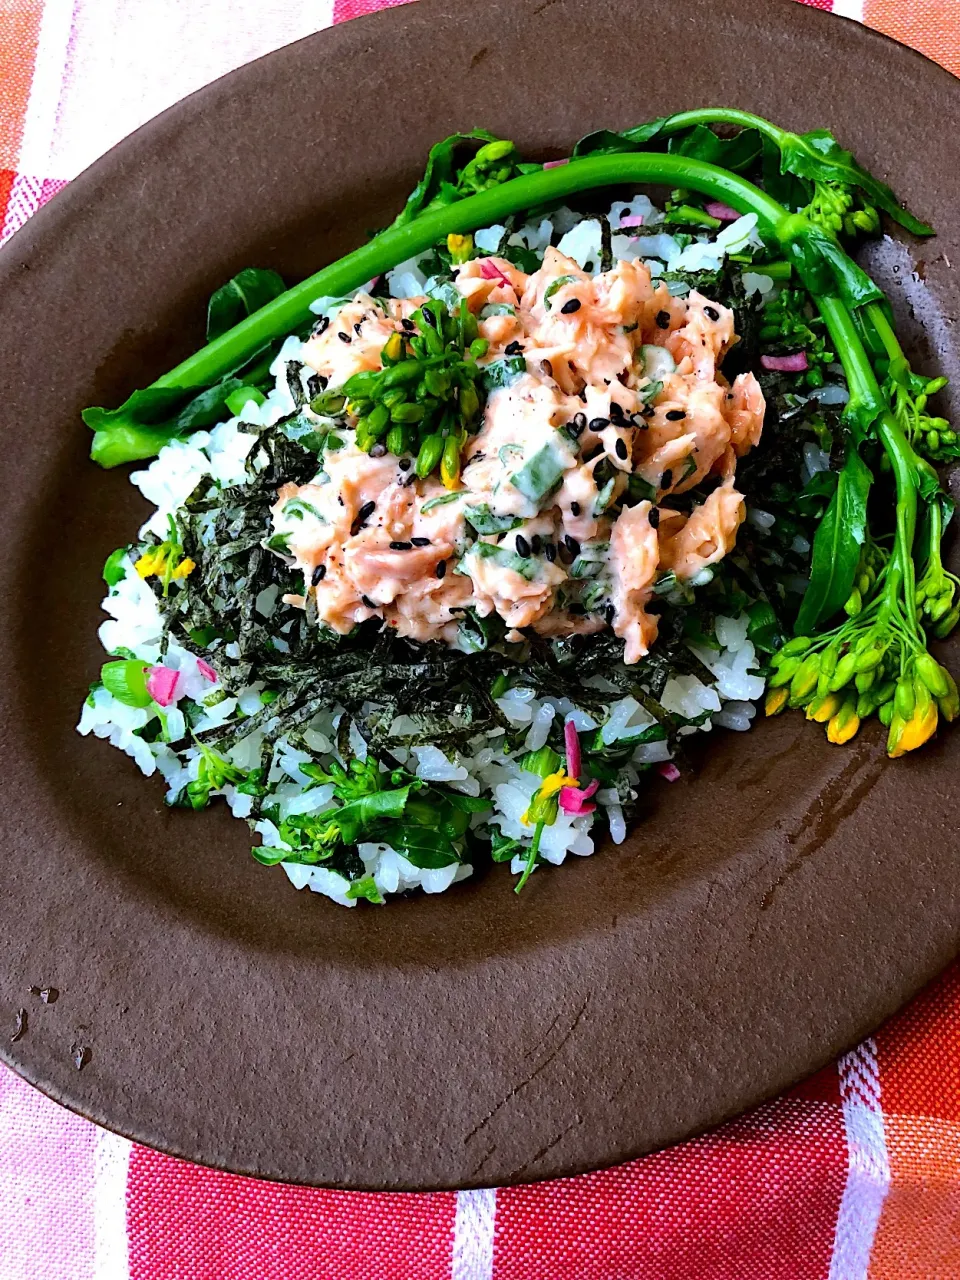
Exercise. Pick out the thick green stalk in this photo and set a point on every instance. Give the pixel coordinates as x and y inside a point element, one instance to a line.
<point>867,407</point>
<point>397,244</point>
<point>723,115</point>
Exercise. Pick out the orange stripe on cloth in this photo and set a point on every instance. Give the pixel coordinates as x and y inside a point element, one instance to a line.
<point>932,26</point>
<point>918,1237</point>
<point>19,34</point>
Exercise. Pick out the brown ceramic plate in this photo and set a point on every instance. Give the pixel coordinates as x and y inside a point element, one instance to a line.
<point>759,919</point>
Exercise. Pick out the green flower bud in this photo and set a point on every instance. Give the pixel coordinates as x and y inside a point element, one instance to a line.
<point>784,673</point>
<point>793,648</point>
<point>865,679</point>
<point>905,698</point>
<point>804,681</point>
<point>846,669</point>
<point>870,658</point>
<point>946,624</point>
<point>932,674</point>
<point>853,604</point>
<point>941,606</point>
<point>885,714</point>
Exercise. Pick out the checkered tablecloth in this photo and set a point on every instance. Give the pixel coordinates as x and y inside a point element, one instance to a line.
<point>854,1174</point>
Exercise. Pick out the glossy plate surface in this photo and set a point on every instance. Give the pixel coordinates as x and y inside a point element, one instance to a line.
<point>758,920</point>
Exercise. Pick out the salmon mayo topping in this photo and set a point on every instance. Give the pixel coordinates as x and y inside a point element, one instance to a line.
<point>610,401</point>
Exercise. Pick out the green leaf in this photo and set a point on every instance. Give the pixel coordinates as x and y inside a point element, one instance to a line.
<point>113,570</point>
<point>485,521</point>
<point>127,681</point>
<point>502,848</point>
<point>526,566</point>
<point>606,142</point>
<point>269,857</point>
<point>818,157</point>
<point>446,180</point>
<point>701,143</point>
<point>836,546</point>
<point>540,474</point>
<point>423,846</point>
<point>247,292</point>
<point>365,887</point>
<point>354,817</point>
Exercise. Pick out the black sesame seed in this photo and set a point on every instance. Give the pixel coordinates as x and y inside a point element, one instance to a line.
<point>573,546</point>
<point>522,545</point>
<point>647,411</point>
<point>570,307</point>
<point>513,349</point>
<point>420,542</point>
<point>368,602</point>
<point>576,609</point>
<point>546,368</point>
<point>676,415</point>
<point>340,499</point>
<point>663,319</point>
<point>366,511</point>
<point>574,508</point>
<point>357,327</point>
<point>616,411</point>
<point>378,450</point>
<point>577,424</point>
<point>344,337</point>
<point>408,324</point>
<point>654,518</point>
<point>582,394</point>
<point>610,613</point>
<point>536,544</point>
<point>428,315</point>
<point>622,450</point>
<point>405,464</point>
<point>711,313</point>
<point>441,568</point>
<point>319,574</point>
<point>666,480</point>
<point>401,546</point>
<point>564,554</point>
<point>598,424</point>
<point>550,551</point>
<point>322,325</point>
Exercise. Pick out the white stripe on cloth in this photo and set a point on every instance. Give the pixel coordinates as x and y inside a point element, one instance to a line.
<point>46,86</point>
<point>473,1235</point>
<point>852,9</point>
<point>868,1168</point>
<point>111,1162</point>
<point>128,61</point>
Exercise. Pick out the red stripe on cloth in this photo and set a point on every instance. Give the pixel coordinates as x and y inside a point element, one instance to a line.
<point>344,9</point>
<point>6,183</point>
<point>823,1086</point>
<point>919,1053</point>
<point>189,1223</point>
<point>759,1197</point>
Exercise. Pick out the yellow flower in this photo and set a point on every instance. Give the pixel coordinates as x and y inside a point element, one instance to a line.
<point>776,700</point>
<point>548,788</point>
<point>907,735</point>
<point>394,347</point>
<point>825,708</point>
<point>459,247</point>
<point>844,724</point>
<point>184,568</point>
<point>151,562</point>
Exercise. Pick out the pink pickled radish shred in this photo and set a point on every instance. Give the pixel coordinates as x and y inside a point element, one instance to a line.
<point>796,363</point>
<point>163,685</point>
